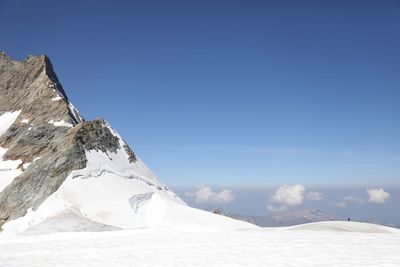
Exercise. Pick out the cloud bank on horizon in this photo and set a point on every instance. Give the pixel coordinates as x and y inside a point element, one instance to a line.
<point>285,196</point>
<point>377,196</point>
<point>205,194</point>
<point>290,196</point>
<point>342,203</point>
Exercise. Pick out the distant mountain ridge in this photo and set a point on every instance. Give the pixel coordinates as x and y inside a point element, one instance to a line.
<point>298,217</point>
<point>288,218</point>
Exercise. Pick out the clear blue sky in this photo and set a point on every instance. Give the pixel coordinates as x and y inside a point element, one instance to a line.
<point>231,92</point>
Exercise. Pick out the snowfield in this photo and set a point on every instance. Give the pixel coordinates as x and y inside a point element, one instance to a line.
<point>318,244</point>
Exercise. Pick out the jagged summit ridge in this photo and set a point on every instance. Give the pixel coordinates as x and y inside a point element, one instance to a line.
<point>34,81</point>
<point>31,91</point>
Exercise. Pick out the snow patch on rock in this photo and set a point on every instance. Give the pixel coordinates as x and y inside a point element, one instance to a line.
<point>8,170</point>
<point>56,98</point>
<point>75,113</point>
<point>61,123</point>
<point>7,119</point>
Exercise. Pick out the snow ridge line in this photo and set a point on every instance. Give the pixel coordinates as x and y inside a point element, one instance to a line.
<point>129,176</point>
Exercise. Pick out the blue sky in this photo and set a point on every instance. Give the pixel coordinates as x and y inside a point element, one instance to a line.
<point>231,93</point>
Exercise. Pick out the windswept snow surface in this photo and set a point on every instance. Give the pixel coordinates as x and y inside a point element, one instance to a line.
<point>343,226</point>
<point>166,247</point>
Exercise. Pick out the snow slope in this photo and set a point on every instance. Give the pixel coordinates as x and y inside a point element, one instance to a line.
<point>251,247</point>
<point>115,192</point>
<point>343,226</point>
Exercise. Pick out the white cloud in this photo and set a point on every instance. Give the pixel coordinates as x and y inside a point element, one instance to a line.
<point>277,209</point>
<point>205,194</point>
<point>225,196</point>
<point>314,196</point>
<point>348,199</point>
<point>294,195</point>
<point>341,204</point>
<point>378,195</point>
<point>289,195</point>
<point>354,199</point>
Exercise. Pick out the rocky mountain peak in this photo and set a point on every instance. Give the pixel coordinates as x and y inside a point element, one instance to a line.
<point>43,138</point>
<point>59,172</point>
<point>35,82</point>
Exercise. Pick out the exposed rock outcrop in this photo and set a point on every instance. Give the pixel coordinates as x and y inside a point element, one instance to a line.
<point>49,137</point>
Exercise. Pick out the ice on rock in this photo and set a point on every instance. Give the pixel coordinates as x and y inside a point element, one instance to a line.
<point>8,168</point>
<point>56,98</point>
<point>61,123</point>
<point>7,119</point>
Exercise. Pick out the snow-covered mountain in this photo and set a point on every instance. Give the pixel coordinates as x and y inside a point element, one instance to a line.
<point>58,170</point>
<point>67,185</point>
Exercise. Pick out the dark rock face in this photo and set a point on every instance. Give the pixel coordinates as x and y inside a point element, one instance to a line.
<point>131,154</point>
<point>32,87</point>
<point>39,181</point>
<point>28,145</point>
